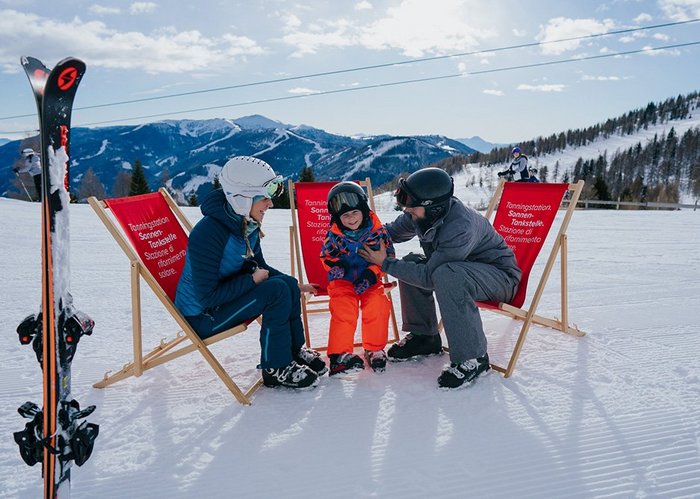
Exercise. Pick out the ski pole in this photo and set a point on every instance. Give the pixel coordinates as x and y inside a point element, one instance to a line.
<point>24,187</point>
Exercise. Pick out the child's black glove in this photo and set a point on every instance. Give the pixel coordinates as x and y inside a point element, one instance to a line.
<point>366,280</point>
<point>338,269</point>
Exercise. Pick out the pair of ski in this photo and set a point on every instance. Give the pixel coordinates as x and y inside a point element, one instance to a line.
<point>53,436</point>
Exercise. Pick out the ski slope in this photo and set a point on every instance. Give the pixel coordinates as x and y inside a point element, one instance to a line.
<point>613,414</point>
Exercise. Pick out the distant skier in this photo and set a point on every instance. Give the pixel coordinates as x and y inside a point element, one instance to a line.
<point>518,168</point>
<point>32,166</point>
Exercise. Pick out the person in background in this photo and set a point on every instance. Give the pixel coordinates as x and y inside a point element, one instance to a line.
<point>226,280</point>
<point>353,283</point>
<point>31,164</point>
<point>464,260</point>
<point>518,169</point>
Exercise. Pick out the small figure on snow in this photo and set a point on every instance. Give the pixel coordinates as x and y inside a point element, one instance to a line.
<point>518,168</point>
<point>226,280</point>
<point>32,165</point>
<point>465,260</point>
<point>353,281</point>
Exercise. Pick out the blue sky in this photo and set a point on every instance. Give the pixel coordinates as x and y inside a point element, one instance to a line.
<point>141,50</point>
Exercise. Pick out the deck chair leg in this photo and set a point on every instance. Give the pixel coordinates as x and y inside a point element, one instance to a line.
<point>136,319</point>
<point>564,284</point>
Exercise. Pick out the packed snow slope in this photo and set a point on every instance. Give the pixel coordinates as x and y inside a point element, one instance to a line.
<point>613,414</point>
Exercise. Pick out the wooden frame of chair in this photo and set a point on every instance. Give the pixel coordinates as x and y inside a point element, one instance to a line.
<point>528,315</point>
<point>311,304</point>
<point>186,340</point>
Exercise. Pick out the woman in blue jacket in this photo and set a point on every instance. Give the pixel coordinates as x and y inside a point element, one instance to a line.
<point>226,281</point>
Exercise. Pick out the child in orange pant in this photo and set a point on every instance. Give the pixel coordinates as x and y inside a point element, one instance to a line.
<point>353,283</point>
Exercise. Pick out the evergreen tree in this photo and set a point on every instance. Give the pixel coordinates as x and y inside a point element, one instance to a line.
<point>192,199</point>
<point>307,174</point>
<point>217,184</point>
<point>139,184</point>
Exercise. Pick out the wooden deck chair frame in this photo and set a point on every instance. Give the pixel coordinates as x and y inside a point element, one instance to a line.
<point>186,340</point>
<point>311,304</point>
<point>528,315</point>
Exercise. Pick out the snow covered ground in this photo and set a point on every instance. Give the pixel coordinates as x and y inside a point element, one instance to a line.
<point>613,414</point>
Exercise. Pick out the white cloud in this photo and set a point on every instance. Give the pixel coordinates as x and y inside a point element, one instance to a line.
<point>543,88</point>
<point>142,7</point>
<point>643,18</point>
<point>488,91</point>
<point>680,10</point>
<point>600,78</point>
<point>561,27</point>
<point>166,50</point>
<point>302,91</point>
<point>103,10</point>
<point>413,27</point>
<point>519,32</point>
<point>363,5</point>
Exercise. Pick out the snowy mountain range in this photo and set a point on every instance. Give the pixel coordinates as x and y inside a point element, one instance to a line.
<point>193,151</point>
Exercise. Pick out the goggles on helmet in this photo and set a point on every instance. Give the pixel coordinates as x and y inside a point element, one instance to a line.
<point>350,200</point>
<point>274,187</point>
<point>404,197</point>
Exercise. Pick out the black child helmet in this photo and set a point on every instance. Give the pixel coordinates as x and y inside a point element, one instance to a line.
<point>344,197</point>
<point>430,188</point>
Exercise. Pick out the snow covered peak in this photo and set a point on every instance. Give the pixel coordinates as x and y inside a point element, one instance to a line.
<point>256,121</point>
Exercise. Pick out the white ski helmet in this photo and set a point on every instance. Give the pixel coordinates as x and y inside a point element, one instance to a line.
<point>243,178</point>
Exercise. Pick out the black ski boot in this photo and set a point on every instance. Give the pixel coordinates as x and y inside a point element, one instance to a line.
<point>415,345</point>
<point>460,375</point>
<point>376,360</point>
<point>345,363</point>
<point>292,375</point>
<point>311,358</point>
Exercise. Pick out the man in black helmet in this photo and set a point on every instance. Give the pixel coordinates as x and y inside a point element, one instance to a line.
<point>465,260</point>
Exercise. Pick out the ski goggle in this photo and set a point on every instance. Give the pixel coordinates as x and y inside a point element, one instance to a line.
<point>404,197</point>
<point>350,200</point>
<point>274,187</point>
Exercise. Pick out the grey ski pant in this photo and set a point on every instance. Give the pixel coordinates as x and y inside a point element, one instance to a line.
<point>458,286</point>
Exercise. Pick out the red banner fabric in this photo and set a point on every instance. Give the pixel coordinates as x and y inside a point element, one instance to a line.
<point>155,234</point>
<point>524,216</point>
<point>314,221</point>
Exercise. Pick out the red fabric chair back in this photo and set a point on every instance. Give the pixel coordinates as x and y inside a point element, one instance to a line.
<point>313,222</point>
<point>155,234</point>
<point>524,217</point>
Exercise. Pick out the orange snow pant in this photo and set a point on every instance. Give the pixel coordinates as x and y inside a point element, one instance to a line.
<point>345,306</point>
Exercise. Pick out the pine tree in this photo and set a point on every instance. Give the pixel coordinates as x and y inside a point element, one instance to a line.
<point>217,184</point>
<point>192,199</point>
<point>139,184</point>
<point>307,174</point>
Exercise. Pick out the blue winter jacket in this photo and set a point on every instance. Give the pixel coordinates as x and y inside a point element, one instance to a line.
<point>214,271</point>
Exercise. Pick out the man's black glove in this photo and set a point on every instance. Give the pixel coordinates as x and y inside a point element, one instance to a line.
<point>366,280</point>
<point>503,174</point>
<point>15,169</point>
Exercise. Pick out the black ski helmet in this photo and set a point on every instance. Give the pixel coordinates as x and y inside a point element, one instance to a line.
<point>347,196</point>
<point>426,187</point>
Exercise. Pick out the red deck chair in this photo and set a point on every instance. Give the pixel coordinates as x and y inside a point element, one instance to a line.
<point>525,215</point>
<point>152,232</point>
<point>310,221</point>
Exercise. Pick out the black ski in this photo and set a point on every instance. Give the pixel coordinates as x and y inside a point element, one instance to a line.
<point>53,436</point>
